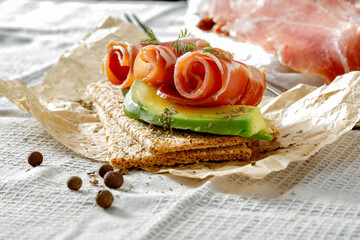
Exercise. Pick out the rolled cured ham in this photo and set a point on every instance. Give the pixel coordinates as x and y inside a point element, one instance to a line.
<point>205,79</point>
<point>197,78</point>
<point>118,64</point>
<point>155,63</point>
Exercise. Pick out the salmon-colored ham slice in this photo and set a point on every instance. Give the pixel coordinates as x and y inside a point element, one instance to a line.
<point>195,78</point>
<point>155,63</point>
<point>119,62</point>
<point>255,88</point>
<point>320,54</point>
<point>313,36</point>
<point>203,79</point>
<point>349,45</point>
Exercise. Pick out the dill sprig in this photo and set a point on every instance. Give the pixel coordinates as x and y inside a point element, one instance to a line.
<point>208,48</point>
<point>152,40</point>
<point>183,47</point>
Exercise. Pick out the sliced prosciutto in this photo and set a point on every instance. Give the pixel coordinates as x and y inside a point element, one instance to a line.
<point>205,79</point>
<point>118,65</point>
<point>155,64</point>
<point>312,36</point>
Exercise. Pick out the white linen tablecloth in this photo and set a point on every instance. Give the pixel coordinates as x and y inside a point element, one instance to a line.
<point>315,199</point>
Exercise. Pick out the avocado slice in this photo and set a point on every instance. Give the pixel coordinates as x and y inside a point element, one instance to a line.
<point>142,103</point>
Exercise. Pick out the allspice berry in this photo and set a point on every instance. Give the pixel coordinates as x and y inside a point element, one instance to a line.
<point>74,183</point>
<point>35,158</point>
<point>104,198</point>
<point>104,169</point>
<point>113,179</point>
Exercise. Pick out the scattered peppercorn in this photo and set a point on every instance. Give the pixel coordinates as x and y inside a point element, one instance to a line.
<point>113,179</point>
<point>104,169</point>
<point>74,183</point>
<point>104,198</point>
<point>35,158</point>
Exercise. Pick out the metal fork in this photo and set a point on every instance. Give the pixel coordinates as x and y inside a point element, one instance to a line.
<point>271,88</point>
<point>136,21</point>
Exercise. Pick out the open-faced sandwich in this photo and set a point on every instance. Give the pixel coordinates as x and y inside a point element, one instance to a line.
<point>179,102</point>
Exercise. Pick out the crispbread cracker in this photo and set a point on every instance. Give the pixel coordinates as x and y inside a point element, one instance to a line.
<point>126,152</point>
<point>155,139</point>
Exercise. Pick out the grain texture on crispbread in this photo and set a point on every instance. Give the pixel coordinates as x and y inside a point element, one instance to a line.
<point>155,139</point>
<point>126,152</point>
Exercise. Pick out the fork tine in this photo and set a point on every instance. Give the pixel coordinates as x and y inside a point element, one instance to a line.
<point>273,89</point>
<point>127,16</point>
<point>135,20</point>
<point>140,23</point>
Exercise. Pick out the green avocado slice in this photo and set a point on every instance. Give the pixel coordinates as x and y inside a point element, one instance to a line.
<point>142,103</point>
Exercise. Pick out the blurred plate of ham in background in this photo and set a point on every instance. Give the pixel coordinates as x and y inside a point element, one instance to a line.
<point>308,42</point>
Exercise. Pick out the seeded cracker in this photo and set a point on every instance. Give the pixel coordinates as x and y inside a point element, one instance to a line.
<point>126,152</point>
<point>155,139</point>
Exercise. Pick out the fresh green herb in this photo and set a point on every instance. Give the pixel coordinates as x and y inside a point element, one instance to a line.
<point>183,47</point>
<point>152,40</point>
<point>209,49</point>
<point>166,120</point>
<point>242,110</point>
<point>217,53</point>
<point>235,112</point>
<point>230,116</point>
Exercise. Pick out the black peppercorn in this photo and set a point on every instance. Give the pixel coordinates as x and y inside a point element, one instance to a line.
<point>35,159</point>
<point>104,169</point>
<point>74,183</point>
<point>113,179</point>
<point>104,198</point>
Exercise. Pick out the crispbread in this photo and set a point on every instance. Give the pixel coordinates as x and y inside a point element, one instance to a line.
<point>155,139</point>
<point>126,152</point>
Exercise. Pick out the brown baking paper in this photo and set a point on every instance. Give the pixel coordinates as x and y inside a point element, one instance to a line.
<point>307,117</point>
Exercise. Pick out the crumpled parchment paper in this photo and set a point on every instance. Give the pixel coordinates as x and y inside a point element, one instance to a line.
<point>307,117</point>
<point>60,102</point>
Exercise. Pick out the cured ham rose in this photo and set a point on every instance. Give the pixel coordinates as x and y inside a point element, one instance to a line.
<point>205,79</point>
<point>119,62</point>
<point>320,37</point>
<point>197,78</point>
<point>155,63</point>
